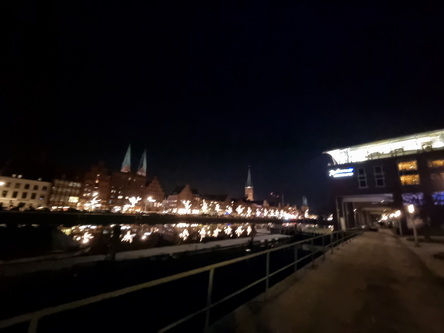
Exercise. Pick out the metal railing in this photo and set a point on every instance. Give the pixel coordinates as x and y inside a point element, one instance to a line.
<point>328,242</point>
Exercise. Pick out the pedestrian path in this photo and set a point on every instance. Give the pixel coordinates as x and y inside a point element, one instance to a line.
<point>375,283</point>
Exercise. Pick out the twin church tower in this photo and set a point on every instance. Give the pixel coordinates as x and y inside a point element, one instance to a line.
<point>141,171</point>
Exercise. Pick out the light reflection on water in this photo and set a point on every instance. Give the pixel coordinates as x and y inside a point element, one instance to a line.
<point>143,236</point>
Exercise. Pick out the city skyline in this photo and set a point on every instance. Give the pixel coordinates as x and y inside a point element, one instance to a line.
<point>208,89</point>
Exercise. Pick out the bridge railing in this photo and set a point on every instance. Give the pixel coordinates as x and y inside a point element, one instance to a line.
<point>315,247</point>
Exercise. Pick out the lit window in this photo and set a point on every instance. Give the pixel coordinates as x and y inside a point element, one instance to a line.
<point>438,198</point>
<point>407,165</point>
<point>362,178</point>
<point>416,199</point>
<point>409,179</point>
<point>73,199</point>
<point>436,164</point>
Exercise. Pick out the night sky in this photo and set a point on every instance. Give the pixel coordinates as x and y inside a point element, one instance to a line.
<point>211,87</point>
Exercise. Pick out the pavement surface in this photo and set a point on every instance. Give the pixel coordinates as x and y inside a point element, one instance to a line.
<point>377,282</point>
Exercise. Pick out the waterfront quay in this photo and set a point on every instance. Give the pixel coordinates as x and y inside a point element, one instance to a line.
<point>54,284</point>
<point>90,218</point>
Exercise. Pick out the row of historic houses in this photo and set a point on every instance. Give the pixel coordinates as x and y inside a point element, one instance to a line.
<point>129,191</point>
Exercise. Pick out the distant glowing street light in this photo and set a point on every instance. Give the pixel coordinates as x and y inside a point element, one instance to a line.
<point>134,200</point>
<point>411,210</point>
<point>187,205</point>
<point>2,183</point>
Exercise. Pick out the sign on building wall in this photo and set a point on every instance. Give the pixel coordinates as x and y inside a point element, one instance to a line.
<point>339,173</point>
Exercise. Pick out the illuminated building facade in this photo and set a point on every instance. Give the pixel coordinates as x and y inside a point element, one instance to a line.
<point>154,195</point>
<point>64,194</point>
<point>386,176</point>
<point>17,191</point>
<point>181,197</point>
<point>95,192</point>
<point>127,185</point>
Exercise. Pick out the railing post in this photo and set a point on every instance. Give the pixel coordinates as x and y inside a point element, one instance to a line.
<point>267,272</point>
<point>296,258</point>
<point>312,253</point>
<point>209,292</point>
<point>33,325</point>
<point>323,247</point>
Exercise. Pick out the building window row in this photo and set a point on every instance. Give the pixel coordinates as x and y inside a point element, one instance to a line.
<point>26,186</point>
<point>436,164</point>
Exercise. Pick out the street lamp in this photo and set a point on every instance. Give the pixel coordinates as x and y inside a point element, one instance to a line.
<point>150,200</point>
<point>411,210</point>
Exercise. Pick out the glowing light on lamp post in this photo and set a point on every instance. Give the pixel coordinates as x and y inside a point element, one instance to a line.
<point>239,209</point>
<point>134,200</point>
<point>411,209</point>
<point>187,205</point>
<point>229,209</point>
<point>204,206</point>
<point>249,211</point>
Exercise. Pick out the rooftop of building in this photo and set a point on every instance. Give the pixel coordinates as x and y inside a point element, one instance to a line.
<point>403,145</point>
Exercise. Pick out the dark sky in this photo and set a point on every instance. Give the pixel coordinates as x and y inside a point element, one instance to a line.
<point>211,87</point>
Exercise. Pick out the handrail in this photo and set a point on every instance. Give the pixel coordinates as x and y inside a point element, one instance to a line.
<point>34,317</point>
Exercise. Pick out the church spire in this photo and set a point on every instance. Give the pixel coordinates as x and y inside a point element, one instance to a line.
<point>141,170</point>
<point>304,201</point>
<point>249,184</point>
<point>126,165</point>
<point>249,187</point>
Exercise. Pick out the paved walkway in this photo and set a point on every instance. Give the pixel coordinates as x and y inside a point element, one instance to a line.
<point>376,283</point>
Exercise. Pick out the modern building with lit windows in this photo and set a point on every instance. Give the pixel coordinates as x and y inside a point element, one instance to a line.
<point>64,194</point>
<point>382,178</point>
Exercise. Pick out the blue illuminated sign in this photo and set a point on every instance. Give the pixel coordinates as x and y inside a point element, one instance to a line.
<point>339,173</point>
